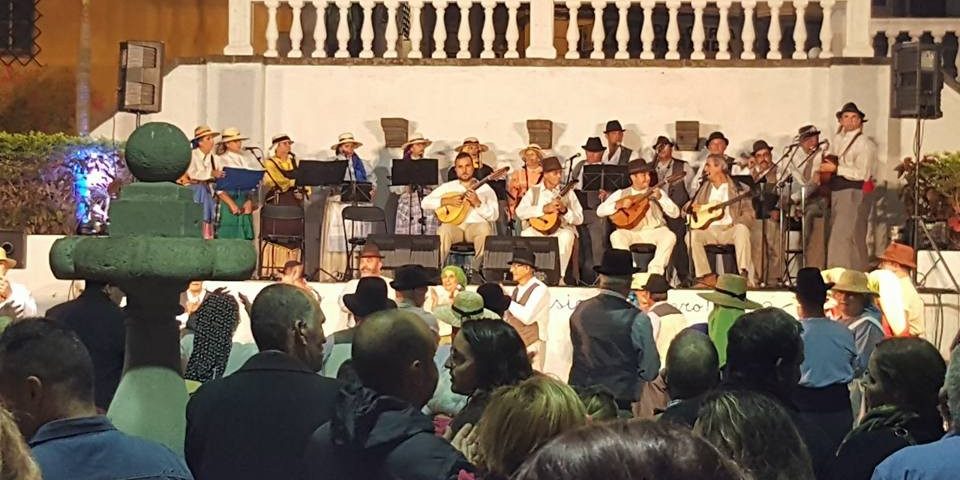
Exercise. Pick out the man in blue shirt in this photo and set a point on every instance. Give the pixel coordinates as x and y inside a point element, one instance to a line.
<point>46,380</point>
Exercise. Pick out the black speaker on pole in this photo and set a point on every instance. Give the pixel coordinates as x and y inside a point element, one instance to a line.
<point>141,77</point>
<point>14,244</point>
<point>916,81</point>
<point>499,250</point>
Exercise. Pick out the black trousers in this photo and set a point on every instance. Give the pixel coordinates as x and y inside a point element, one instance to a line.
<point>680,260</point>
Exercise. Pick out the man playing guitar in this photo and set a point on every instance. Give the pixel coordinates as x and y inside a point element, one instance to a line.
<point>733,227</point>
<point>652,227</point>
<point>481,202</point>
<point>542,201</point>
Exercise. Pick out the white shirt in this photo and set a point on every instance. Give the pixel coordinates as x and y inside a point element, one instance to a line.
<point>804,175</point>
<point>346,318</point>
<point>913,306</point>
<point>21,297</point>
<point>859,162</point>
<point>201,166</point>
<point>237,160</point>
<point>654,216</point>
<point>487,211</point>
<point>537,308</point>
<point>720,194</point>
<point>527,209</point>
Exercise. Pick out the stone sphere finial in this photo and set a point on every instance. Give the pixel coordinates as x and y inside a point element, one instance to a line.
<point>157,152</point>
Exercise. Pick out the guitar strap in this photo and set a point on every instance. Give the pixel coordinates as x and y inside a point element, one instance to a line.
<point>847,148</point>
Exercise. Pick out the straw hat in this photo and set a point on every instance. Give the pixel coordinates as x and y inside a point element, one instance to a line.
<point>416,139</point>
<point>345,138</point>
<point>466,306</point>
<point>279,138</point>
<point>230,134</point>
<point>203,131</point>
<point>9,262</point>
<point>534,147</point>
<point>483,148</point>
<point>852,281</point>
<point>731,291</point>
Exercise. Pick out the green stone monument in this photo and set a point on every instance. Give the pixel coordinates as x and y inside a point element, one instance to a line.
<point>154,249</point>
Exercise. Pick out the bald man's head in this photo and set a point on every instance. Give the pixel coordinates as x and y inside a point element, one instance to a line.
<point>289,319</point>
<point>693,366</point>
<point>393,354</point>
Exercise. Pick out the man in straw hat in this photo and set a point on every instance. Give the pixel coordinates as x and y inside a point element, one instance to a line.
<point>616,153</point>
<point>852,295</point>
<point>15,299</point>
<point>729,298</point>
<point>652,229</point>
<point>201,173</point>
<point>593,231</point>
<point>524,178</point>
<point>370,265</point>
<point>529,310</point>
<point>850,200</point>
<point>613,343</point>
<point>543,199</point>
<point>679,193</point>
<point>471,146</point>
<point>901,259</point>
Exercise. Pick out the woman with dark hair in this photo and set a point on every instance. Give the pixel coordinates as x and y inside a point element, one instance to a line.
<point>753,430</point>
<point>631,450</point>
<point>901,392</point>
<point>486,354</point>
<point>212,353</point>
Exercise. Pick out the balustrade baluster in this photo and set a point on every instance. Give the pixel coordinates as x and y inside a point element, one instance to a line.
<point>723,31</point>
<point>366,30</point>
<point>891,40</point>
<point>826,29</point>
<point>749,32</point>
<point>439,30</point>
<point>573,29</point>
<point>463,33</point>
<point>623,32</point>
<point>392,33</point>
<point>513,33</point>
<point>416,29</point>
<point>598,34</point>
<point>489,34</point>
<point>296,30</point>
<point>319,29</point>
<point>673,30</point>
<point>646,31</point>
<point>774,35</point>
<point>800,30</point>
<point>698,35</point>
<point>272,33</point>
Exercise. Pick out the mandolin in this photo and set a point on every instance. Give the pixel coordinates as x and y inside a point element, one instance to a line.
<point>454,214</point>
<point>630,217</point>
<point>704,215</point>
<point>550,222</point>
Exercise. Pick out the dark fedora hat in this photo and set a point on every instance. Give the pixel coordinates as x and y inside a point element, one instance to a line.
<point>493,297</point>
<point>807,131</point>
<point>851,107</point>
<point>760,145</point>
<point>717,135</point>
<point>523,256</point>
<point>661,141</point>
<point>613,126</point>
<point>639,165</point>
<point>551,164</point>
<point>616,263</point>
<point>593,145</point>
<point>810,284</point>
<point>656,283</point>
<point>370,297</point>
<point>410,277</point>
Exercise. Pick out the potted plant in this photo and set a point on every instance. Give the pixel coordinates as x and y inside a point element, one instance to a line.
<point>939,186</point>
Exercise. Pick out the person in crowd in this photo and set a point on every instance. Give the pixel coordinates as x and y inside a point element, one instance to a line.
<point>14,296</point>
<point>213,353</point>
<point>850,201</point>
<point>901,391</point>
<point>630,450</point>
<point>482,204</point>
<point>409,196</point>
<point>201,173</point>
<point>544,199</point>
<point>370,265</point>
<point>755,432</point>
<point>280,184</point>
<point>600,404</point>
<point>192,297</point>
<point>851,293</point>
<point>292,274</point>
<point>679,193</point>
<point>99,323</point>
<point>229,433</point>
<point>691,370</point>
<point>529,310</point>
<point>901,259</point>
<point>453,280</point>
<point>485,355</point>
<point>523,179</point>
<point>889,300</point>
<point>730,302</point>
<point>235,214</point>
<point>17,464</point>
<point>47,382</point>
<point>829,356</point>
<point>493,298</point>
<point>411,287</point>
<point>733,227</point>
<point>613,343</point>
<point>616,153</point>
<point>667,321</point>
<point>652,228</point>
<point>361,175</point>
<point>472,147</point>
<point>592,232</point>
<point>378,430</point>
<point>518,420</point>
<point>370,297</point>
<point>937,460</point>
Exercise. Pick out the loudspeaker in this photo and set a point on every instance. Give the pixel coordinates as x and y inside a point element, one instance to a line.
<point>915,81</point>
<point>141,77</point>
<point>14,243</point>
<point>499,250</point>
<point>399,250</point>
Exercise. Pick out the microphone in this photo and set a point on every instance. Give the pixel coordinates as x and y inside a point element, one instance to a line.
<point>252,149</point>
<point>577,155</point>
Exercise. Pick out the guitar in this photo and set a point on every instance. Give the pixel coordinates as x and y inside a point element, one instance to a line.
<point>704,215</point>
<point>630,217</point>
<point>550,222</point>
<point>456,214</point>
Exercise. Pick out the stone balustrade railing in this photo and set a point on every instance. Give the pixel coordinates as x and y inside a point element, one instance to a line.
<point>899,30</point>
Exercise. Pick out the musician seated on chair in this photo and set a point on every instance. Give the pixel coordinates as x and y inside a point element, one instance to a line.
<point>551,214</point>
<point>647,226</point>
<point>721,214</point>
<point>474,208</point>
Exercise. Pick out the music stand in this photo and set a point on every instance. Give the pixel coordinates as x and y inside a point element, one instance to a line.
<point>417,174</point>
<point>609,178</point>
<point>316,173</point>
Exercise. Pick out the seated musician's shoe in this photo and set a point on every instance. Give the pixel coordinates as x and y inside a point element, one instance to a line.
<point>707,281</point>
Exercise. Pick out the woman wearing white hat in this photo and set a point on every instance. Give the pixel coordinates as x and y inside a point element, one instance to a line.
<point>521,180</point>
<point>408,205</point>
<point>201,174</point>
<point>359,171</point>
<point>235,215</point>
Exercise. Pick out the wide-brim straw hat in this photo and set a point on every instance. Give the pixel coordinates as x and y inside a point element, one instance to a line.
<point>231,134</point>
<point>345,138</point>
<point>483,148</point>
<point>466,306</point>
<point>534,147</point>
<point>203,131</point>
<point>852,281</point>
<point>731,291</point>
<point>416,139</point>
<point>9,262</point>
<point>281,137</point>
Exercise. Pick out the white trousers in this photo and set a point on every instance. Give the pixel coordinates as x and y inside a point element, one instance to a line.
<point>566,235</point>
<point>736,234</point>
<point>661,236</point>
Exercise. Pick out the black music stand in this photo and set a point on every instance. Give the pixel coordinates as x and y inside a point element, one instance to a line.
<point>609,178</point>
<point>316,173</point>
<point>417,174</point>
<point>356,192</point>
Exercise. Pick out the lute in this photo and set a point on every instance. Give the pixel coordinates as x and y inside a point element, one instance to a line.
<point>550,222</point>
<point>456,214</point>
<point>630,217</point>
<point>704,215</point>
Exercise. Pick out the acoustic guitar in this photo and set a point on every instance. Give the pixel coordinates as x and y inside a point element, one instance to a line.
<point>455,215</point>
<point>704,215</point>
<point>630,217</point>
<point>550,222</point>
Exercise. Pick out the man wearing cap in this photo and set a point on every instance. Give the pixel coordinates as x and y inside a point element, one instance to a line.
<point>201,173</point>
<point>543,199</point>
<point>475,149</point>
<point>804,169</point>
<point>850,200</point>
<point>765,232</point>
<point>667,322</point>
<point>15,299</point>
<point>593,231</point>
<point>652,229</point>
<point>679,193</point>
<point>616,153</point>
<point>613,343</point>
<point>371,265</point>
<point>529,310</point>
<point>370,297</point>
<point>729,298</point>
<point>900,259</point>
<point>411,286</point>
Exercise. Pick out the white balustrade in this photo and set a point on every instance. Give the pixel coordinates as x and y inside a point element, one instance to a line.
<point>913,27</point>
<point>272,33</point>
<point>343,33</point>
<point>623,33</point>
<point>573,30</point>
<point>463,33</point>
<point>800,30</point>
<point>513,33</point>
<point>723,31</point>
<point>416,29</point>
<point>366,31</point>
<point>646,31</point>
<point>826,29</point>
<point>774,34</point>
<point>319,29</point>
<point>439,30</point>
<point>673,30</point>
<point>489,34</point>
<point>698,35</point>
<point>391,35</point>
<point>296,30</point>
<point>597,37</point>
<point>749,32</point>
